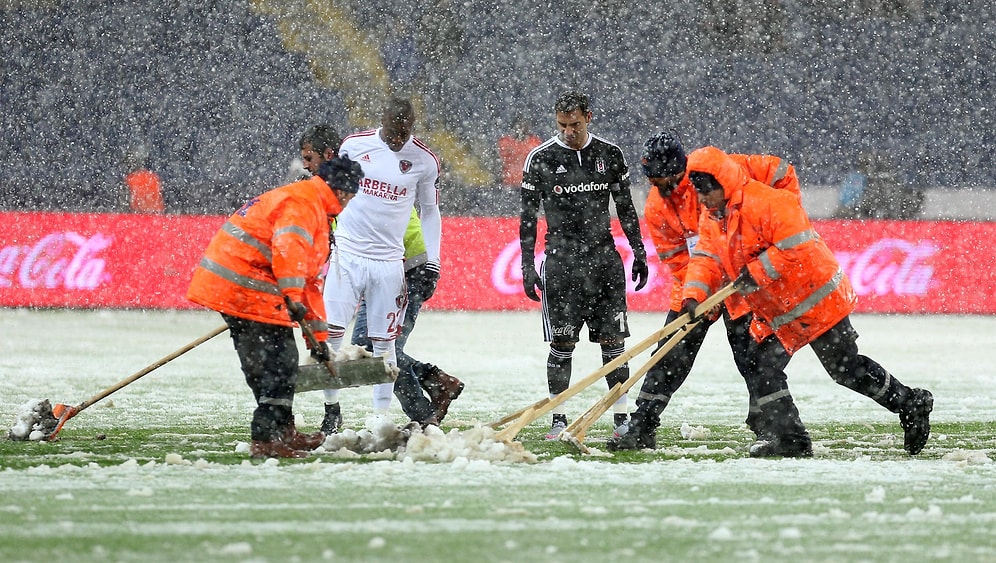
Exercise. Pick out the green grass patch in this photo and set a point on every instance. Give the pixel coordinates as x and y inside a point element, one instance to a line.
<point>108,494</point>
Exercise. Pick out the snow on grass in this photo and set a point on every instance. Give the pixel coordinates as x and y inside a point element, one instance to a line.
<point>172,480</point>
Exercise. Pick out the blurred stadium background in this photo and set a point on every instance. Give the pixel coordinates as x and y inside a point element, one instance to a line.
<point>214,95</point>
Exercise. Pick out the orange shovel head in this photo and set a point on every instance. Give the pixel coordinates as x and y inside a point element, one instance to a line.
<point>63,413</point>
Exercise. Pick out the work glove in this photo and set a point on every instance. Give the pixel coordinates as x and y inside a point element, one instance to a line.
<point>422,280</point>
<point>640,273</point>
<point>295,309</point>
<point>689,305</point>
<point>745,282</point>
<point>321,352</point>
<point>531,282</point>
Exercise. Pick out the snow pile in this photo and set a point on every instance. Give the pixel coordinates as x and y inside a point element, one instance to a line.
<point>381,436</point>
<point>697,433</point>
<point>350,352</point>
<point>34,421</point>
<point>968,457</point>
<point>474,443</point>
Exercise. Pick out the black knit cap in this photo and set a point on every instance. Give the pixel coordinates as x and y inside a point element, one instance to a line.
<point>663,155</point>
<point>341,174</point>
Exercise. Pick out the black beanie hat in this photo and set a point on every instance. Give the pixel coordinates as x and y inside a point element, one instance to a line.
<point>663,155</point>
<point>341,174</point>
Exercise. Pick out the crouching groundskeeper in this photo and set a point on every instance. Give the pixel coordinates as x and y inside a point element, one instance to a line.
<point>262,272</point>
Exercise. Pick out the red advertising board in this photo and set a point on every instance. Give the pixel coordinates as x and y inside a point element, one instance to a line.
<point>143,261</point>
<point>100,260</point>
<point>895,266</point>
<point>917,266</point>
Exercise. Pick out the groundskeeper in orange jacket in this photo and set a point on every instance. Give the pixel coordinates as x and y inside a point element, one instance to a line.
<point>673,221</point>
<point>802,291</point>
<point>273,246</point>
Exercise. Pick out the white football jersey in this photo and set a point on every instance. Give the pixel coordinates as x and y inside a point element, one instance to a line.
<point>374,222</point>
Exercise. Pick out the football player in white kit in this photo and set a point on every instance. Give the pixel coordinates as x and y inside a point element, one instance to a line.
<point>367,260</point>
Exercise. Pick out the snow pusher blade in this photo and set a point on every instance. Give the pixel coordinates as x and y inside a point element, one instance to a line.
<point>349,373</point>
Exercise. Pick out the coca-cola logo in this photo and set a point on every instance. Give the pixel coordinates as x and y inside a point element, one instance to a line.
<point>890,266</point>
<point>506,272</point>
<point>65,260</point>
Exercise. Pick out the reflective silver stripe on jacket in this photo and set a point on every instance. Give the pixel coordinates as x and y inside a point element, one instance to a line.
<point>699,285</point>
<point>785,244</point>
<point>713,257</point>
<point>797,239</point>
<point>240,235</point>
<point>238,279</point>
<point>672,252</point>
<point>245,238</point>
<point>295,230</point>
<point>809,302</point>
<point>291,283</point>
<point>780,171</point>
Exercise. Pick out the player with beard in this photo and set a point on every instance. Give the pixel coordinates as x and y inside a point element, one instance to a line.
<point>573,176</point>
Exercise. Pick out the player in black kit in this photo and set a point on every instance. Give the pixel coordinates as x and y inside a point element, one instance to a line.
<point>573,175</point>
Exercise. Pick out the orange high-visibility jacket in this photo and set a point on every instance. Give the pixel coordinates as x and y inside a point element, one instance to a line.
<point>803,291</point>
<point>145,192</point>
<point>673,222</point>
<point>273,246</point>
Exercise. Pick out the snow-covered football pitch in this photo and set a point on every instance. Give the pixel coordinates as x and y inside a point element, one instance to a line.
<point>157,472</point>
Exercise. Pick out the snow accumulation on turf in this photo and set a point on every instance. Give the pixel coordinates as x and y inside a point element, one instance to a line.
<point>34,421</point>
<point>502,359</point>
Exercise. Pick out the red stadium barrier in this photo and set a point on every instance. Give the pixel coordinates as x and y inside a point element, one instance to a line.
<point>145,261</point>
<point>100,260</point>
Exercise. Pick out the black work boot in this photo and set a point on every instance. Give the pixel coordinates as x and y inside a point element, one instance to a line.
<point>642,434</point>
<point>782,433</point>
<point>914,417</point>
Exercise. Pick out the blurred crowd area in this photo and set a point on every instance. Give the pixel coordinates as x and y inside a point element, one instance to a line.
<point>213,97</point>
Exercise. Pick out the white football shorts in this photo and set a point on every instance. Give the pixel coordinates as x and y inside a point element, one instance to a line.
<point>352,278</point>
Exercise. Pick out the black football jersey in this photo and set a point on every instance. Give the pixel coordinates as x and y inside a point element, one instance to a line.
<point>574,187</point>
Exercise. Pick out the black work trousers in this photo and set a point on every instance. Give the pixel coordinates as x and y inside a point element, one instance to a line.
<point>269,358</point>
<point>665,378</point>
<point>837,351</point>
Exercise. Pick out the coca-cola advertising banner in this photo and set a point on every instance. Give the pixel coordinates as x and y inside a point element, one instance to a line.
<point>142,261</point>
<point>895,266</point>
<point>100,260</point>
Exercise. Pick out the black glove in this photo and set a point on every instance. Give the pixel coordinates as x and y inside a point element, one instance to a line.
<point>688,306</point>
<point>295,309</point>
<point>422,280</point>
<point>321,352</point>
<point>640,272</point>
<point>745,282</point>
<point>531,282</point>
